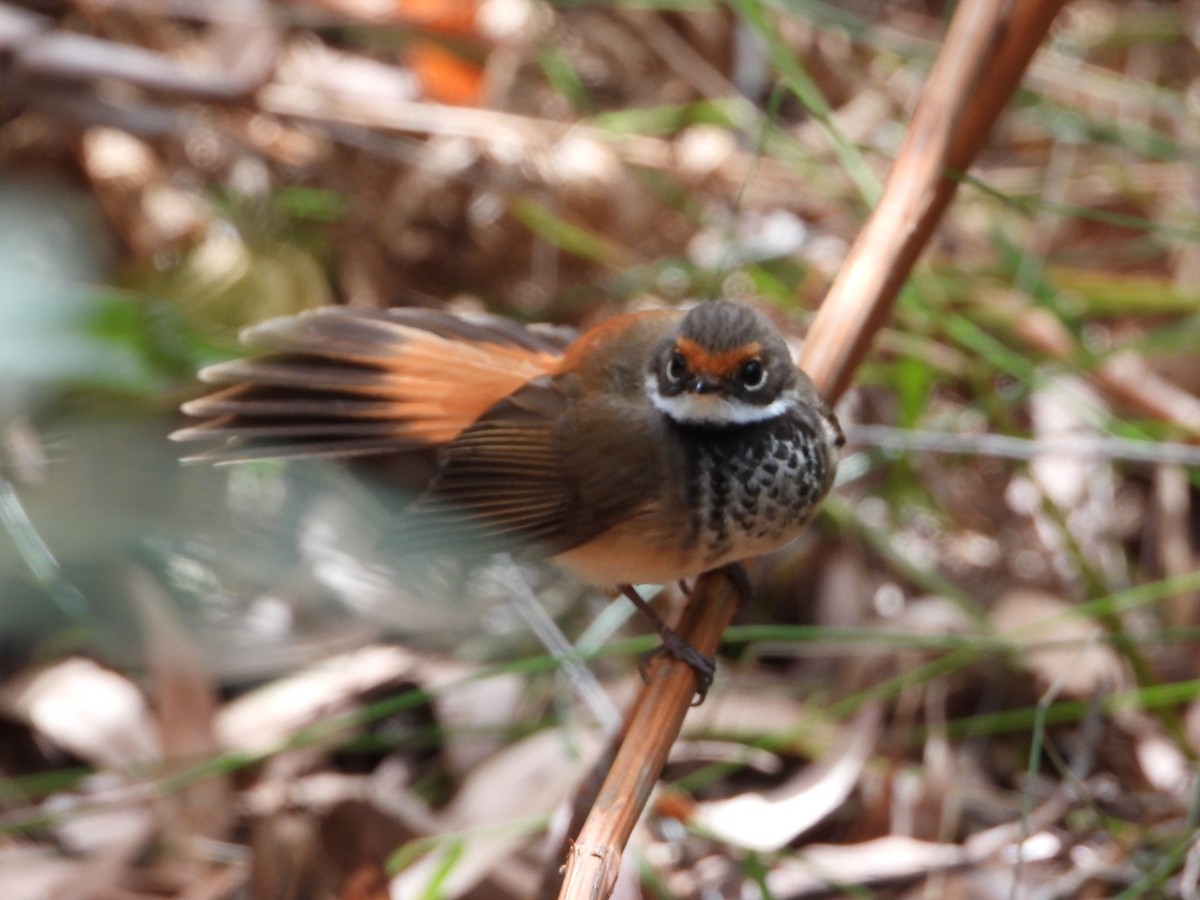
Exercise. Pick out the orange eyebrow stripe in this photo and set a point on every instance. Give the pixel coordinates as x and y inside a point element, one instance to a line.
<point>720,364</point>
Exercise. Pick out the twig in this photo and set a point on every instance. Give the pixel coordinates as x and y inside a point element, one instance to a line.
<point>651,726</point>
<point>522,136</point>
<point>988,46</point>
<point>1105,447</point>
<point>980,64</point>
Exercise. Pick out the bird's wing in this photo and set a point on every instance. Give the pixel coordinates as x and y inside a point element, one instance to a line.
<point>339,382</point>
<point>537,469</point>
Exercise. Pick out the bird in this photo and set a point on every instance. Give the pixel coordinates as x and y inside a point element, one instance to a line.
<point>655,446</point>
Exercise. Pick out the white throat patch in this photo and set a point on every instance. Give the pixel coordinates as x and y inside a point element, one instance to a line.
<point>711,409</point>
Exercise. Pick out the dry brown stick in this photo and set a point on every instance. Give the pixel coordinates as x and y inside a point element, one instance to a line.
<point>988,46</point>
<point>980,64</point>
<point>595,855</point>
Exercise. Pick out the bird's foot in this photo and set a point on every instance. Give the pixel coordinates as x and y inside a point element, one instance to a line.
<point>672,644</point>
<point>704,667</point>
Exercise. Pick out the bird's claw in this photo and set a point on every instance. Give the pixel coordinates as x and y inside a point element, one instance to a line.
<point>704,667</point>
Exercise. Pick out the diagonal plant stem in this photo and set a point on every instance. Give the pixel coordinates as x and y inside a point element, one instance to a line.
<point>987,48</point>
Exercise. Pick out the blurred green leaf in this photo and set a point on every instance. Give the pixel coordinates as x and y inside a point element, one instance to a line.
<point>570,238</point>
<point>309,204</point>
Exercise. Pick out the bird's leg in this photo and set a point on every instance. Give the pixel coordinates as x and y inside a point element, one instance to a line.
<point>672,643</point>
<point>739,578</point>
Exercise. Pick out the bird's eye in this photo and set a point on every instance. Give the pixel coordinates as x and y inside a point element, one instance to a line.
<point>676,367</point>
<point>752,375</point>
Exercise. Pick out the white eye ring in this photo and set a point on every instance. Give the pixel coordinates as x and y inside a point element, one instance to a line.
<point>753,375</point>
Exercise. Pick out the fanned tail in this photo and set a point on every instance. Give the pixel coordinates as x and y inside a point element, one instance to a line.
<point>338,382</point>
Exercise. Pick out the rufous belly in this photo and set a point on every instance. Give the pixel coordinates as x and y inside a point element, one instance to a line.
<point>638,552</point>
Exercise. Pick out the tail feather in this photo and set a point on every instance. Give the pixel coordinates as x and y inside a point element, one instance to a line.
<point>341,382</point>
<point>243,451</point>
<point>317,372</point>
<point>354,331</point>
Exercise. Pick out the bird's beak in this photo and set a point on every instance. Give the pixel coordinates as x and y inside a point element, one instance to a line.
<point>705,384</point>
